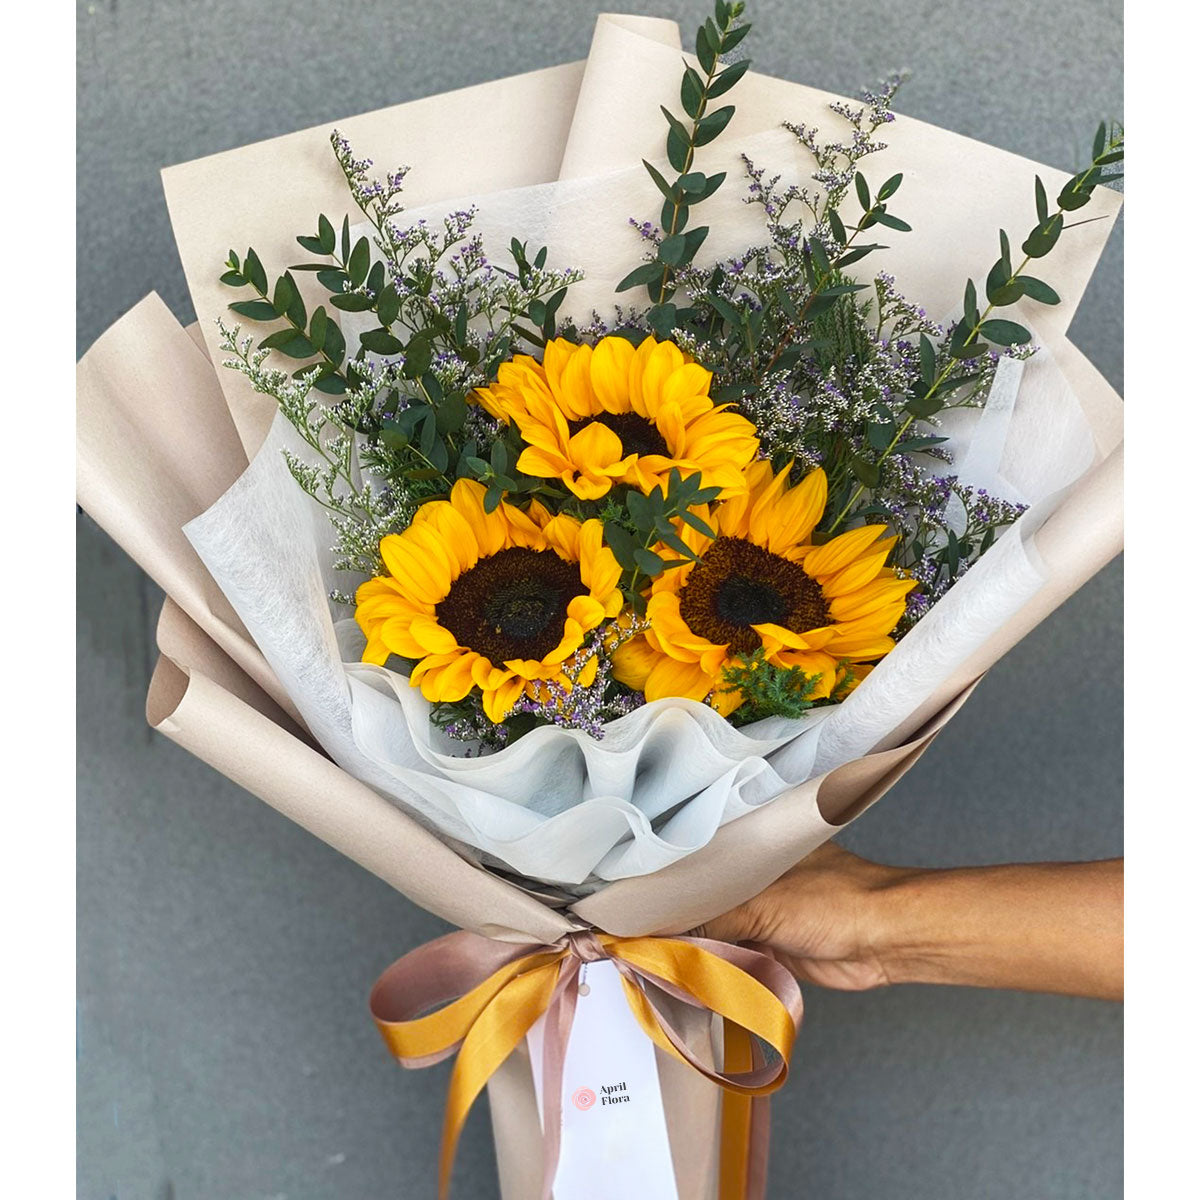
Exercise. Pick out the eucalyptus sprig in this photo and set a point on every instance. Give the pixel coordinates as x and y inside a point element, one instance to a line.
<point>678,246</point>
<point>446,318</point>
<point>976,333</point>
<point>634,526</point>
<point>303,337</point>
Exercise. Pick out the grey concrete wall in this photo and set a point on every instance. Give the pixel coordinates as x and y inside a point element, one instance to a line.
<point>224,955</point>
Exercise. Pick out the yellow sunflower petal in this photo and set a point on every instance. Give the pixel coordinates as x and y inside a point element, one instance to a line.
<point>860,572</point>
<point>522,531</point>
<point>544,464</point>
<point>587,611</point>
<point>424,581</point>
<point>633,661</point>
<point>595,447</point>
<point>726,700</point>
<point>824,667</point>
<point>562,532</point>
<point>487,529</point>
<point>684,383</point>
<point>797,512</point>
<point>841,551</point>
<point>598,566</point>
<point>763,510</point>
<point>448,681</point>
<point>572,639</point>
<point>499,700</point>
<point>455,541</point>
<point>776,637</point>
<point>610,364</point>
<point>661,363</point>
<point>589,487</point>
<point>554,360</point>
<point>574,395</point>
<point>671,678</point>
<point>733,515</point>
<point>395,634</point>
<point>432,637</point>
<point>672,632</point>
<point>376,650</point>
<point>875,595</point>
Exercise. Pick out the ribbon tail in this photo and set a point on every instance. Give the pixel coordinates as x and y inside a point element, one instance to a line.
<point>736,1116</point>
<point>559,1018</point>
<point>496,1033</point>
<point>760,1148</point>
<point>745,1123</point>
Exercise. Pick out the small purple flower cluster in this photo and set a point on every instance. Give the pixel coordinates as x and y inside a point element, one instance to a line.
<point>925,509</point>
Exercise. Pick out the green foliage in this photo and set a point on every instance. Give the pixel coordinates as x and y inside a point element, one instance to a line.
<point>768,690</point>
<point>977,332</point>
<point>678,245</point>
<point>446,319</point>
<point>639,528</point>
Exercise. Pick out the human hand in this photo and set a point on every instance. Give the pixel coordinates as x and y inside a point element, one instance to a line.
<point>842,922</point>
<point>824,920</point>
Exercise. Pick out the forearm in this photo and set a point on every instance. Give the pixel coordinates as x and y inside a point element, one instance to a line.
<point>1049,927</point>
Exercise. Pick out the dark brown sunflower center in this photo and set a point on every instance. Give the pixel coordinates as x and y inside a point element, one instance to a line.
<point>737,585</point>
<point>511,604</point>
<point>638,436</point>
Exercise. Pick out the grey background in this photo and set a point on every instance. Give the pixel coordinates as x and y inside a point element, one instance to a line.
<point>224,955</point>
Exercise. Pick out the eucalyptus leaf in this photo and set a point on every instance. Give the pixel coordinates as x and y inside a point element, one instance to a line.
<point>255,310</point>
<point>659,181</point>
<point>863,191</point>
<point>253,270</point>
<point>317,328</point>
<point>647,561</point>
<point>672,249</point>
<point>326,235</point>
<point>291,343</point>
<point>1038,290</point>
<point>1005,333</point>
<point>360,262</point>
<point>691,92</point>
<point>711,126</point>
<point>728,78</point>
<point>350,301</point>
<point>332,279</point>
<point>379,341</point>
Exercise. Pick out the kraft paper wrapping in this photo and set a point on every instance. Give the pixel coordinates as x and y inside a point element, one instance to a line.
<point>162,434</point>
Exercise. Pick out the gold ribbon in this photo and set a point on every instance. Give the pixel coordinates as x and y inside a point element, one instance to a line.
<point>480,997</point>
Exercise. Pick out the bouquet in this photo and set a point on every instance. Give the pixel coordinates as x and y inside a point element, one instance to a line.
<point>580,552</point>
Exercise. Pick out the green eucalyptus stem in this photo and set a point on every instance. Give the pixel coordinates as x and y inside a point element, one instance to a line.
<point>1079,187</point>
<point>677,205</point>
<point>678,246</point>
<point>320,352</point>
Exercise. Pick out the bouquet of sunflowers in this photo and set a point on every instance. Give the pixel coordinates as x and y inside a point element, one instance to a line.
<point>669,537</point>
<point>551,548</point>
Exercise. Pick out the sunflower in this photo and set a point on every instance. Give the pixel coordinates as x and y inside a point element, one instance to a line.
<point>761,583</point>
<point>496,601</point>
<point>593,417</point>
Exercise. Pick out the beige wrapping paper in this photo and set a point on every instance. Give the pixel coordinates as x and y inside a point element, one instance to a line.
<point>162,434</point>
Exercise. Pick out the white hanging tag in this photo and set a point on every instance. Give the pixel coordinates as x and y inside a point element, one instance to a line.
<point>614,1130</point>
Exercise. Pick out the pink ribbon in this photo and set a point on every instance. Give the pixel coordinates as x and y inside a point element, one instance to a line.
<point>464,967</point>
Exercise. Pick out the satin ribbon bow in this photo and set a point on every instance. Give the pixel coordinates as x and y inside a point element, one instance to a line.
<point>480,997</point>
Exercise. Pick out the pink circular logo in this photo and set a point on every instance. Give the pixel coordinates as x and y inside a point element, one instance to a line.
<point>584,1098</point>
